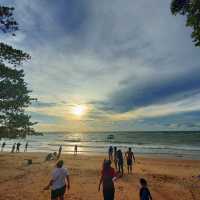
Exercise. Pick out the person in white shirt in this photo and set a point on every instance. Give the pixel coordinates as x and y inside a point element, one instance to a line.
<point>58,182</point>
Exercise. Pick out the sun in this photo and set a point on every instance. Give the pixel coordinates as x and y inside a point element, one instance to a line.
<point>79,110</point>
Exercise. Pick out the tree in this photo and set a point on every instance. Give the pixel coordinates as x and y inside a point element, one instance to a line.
<point>14,93</point>
<point>191,9</point>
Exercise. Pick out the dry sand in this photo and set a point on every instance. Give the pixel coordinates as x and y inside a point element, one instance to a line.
<point>169,179</point>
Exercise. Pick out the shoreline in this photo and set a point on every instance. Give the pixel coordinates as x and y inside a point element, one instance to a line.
<point>99,154</point>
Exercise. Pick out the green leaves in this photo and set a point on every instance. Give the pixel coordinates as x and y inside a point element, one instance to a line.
<point>14,93</point>
<point>191,9</point>
<point>7,21</point>
<point>11,55</point>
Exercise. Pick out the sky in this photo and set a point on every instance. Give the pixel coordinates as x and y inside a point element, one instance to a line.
<point>128,65</point>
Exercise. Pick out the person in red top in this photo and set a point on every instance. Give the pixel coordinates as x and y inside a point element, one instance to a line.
<point>108,175</point>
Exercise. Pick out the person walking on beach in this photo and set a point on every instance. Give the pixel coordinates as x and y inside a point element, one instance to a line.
<point>120,161</point>
<point>13,148</point>
<point>18,146</point>
<point>129,155</point>
<point>110,153</point>
<point>115,158</point>
<point>75,150</point>
<point>2,146</point>
<point>108,175</point>
<point>144,191</point>
<point>58,182</point>
<point>26,147</point>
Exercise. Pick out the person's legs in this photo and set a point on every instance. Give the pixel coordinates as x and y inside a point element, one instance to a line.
<point>119,168</point>
<point>61,197</point>
<point>54,195</point>
<point>108,195</point>
<point>122,167</point>
<point>115,164</point>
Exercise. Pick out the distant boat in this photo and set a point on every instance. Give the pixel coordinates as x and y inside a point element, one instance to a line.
<point>110,137</point>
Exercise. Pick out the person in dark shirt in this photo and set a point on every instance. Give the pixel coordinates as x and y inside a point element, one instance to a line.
<point>115,158</point>
<point>108,175</point>
<point>110,153</point>
<point>144,191</point>
<point>75,150</point>
<point>120,161</point>
<point>18,146</point>
<point>26,147</point>
<point>2,146</point>
<point>13,148</point>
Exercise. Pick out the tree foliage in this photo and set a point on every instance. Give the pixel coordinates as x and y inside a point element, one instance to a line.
<point>7,21</point>
<point>191,9</point>
<point>14,93</point>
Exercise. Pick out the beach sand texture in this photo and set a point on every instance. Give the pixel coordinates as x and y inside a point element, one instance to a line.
<point>168,179</point>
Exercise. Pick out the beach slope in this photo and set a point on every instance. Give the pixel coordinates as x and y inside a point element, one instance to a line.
<point>168,179</point>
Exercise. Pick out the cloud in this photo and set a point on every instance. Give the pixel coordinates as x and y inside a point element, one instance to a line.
<point>158,91</point>
<point>41,104</point>
<point>45,119</point>
<point>124,58</point>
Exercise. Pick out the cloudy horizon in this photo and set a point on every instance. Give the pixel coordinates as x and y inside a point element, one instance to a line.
<point>130,64</point>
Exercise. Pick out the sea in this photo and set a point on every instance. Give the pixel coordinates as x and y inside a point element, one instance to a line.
<point>161,143</point>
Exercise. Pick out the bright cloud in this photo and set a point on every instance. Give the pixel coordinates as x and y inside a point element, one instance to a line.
<point>126,60</point>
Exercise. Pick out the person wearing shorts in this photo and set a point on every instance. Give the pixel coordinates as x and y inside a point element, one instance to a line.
<point>120,162</point>
<point>58,182</point>
<point>129,158</point>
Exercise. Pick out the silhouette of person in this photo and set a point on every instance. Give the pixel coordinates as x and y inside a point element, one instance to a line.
<point>13,148</point>
<point>75,150</point>
<point>26,147</point>
<point>2,146</point>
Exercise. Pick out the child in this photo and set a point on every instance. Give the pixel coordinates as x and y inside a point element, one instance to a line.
<point>144,191</point>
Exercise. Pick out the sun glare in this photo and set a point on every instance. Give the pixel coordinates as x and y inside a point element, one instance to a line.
<point>79,110</point>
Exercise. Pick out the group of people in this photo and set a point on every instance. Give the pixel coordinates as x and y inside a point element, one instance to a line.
<point>15,147</point>
<point>54,155</point>
<point>109,176</point>
<point>117,156</point>
<point>60,180</point>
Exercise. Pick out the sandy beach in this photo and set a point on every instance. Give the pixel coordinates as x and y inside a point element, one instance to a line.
<point>169,179</point>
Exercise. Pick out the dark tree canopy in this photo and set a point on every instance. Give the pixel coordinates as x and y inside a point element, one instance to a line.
<point>7,21</point>
<point>14,93</point>
<point>191,9</point>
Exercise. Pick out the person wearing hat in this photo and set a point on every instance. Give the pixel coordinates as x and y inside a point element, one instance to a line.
<point>108,175</point>
<point>58,182</point>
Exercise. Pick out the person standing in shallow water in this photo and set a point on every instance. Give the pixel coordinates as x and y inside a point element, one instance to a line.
<point>18,146</point>
<point>75,150</point>
<point>2,146</point>
<point>129,155</point>
<point>108,175</point>
<point>13,148</point>
<point>26,147</point>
